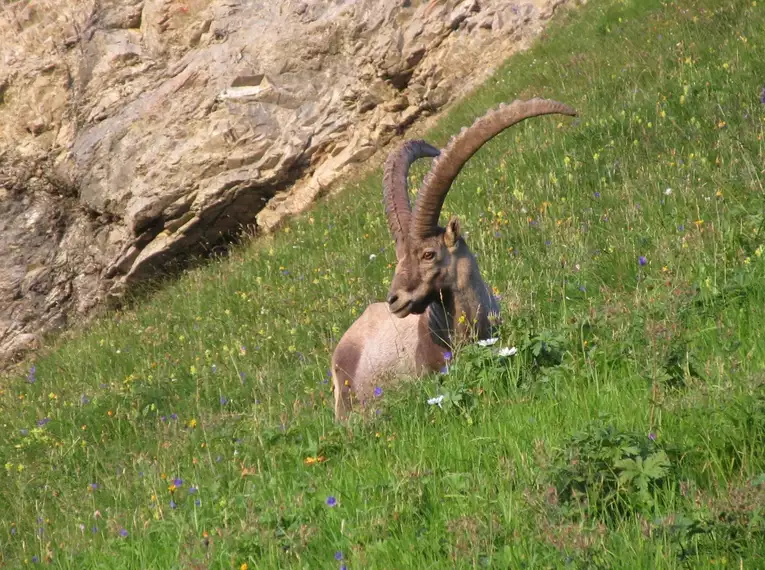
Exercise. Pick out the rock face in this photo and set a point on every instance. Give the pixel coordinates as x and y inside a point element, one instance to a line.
<point>135,132</point>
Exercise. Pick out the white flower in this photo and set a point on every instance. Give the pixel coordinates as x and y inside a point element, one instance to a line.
<point>436,401</point>
<point>488,342</point>
<point>668,191</point>
<point>372,257</point>
<point>507,351</point>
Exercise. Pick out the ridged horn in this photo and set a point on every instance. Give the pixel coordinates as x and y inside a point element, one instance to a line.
<point>461,147</point>
<point>395,192</point>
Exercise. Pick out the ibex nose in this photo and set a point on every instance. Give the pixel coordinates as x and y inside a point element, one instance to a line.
<point>392,298</point>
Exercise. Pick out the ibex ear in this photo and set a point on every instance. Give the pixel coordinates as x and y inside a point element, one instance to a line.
<point>452,235</point>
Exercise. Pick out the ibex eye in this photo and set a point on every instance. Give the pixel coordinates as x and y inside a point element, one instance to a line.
<point>428,255</point>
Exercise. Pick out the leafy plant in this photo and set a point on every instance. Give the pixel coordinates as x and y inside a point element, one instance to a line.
<point>610,472</point>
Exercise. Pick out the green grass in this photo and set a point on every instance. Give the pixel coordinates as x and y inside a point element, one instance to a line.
<point>539,460</point>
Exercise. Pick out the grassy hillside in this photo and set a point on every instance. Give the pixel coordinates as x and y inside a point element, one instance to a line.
<point>627,432</point>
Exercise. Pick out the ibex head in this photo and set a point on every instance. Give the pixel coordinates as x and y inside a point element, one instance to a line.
<point>433,260</point>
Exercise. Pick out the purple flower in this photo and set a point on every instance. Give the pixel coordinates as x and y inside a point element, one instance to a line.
<point>94,530</point>
<point>597,194</point>
<point>84,399</point>
<point>331,501</point>
<point>178,482</point>
<point>448,355</point>
<point>173,416</point>
<point>197,502</point>
<point>652,436</point>
<point>762,96</point>
<point>163,418</point>
<point>42,422</point>
<point>214,368</point>
<point>35,560</point>
<point>192,490</point>
<point>642,260</point>
<point>343,567</point>
<point>172,504</point>
<point>93,486</point>
<point>338,555</point>
<point>31,377</point>
<point>223,400</point>
<point>378,392</point>
<point>123,532</point>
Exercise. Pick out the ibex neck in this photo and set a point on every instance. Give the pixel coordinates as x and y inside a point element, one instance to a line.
<point>464,312</point>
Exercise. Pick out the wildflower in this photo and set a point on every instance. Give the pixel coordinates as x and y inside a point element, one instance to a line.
<point>123,533</point>
<point>447,355</point>
<point>192,490</point>
<point>488,341</point>
<point>243,566</point>
<point>32,376</point>
<point>178,482</point>
<point>378,392</point>
<point>192,423</point>
<point>197,502</point>
<point>42,422</point>
<point>243,350</point>
<point>35,560</point>
<point>173,416</point>
<point>173,504</point>
<point>652,436</point>
<point>331,501</point>
<point>597,194</point>
<point>507,351</point>
<point>372,257</point>
<point>667,191</point>
<point>338,555</point>
<point>84,399</point>
<point>223,400</point>
<point>642,260</point>
<point>94,530</point>
<point>93,486</point>
<point>762,96</point>
<point>436,401</point>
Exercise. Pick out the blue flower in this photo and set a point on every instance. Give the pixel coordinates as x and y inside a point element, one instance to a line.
<point>338,555</point>
<point>42,422</point>
<point>35,560</point>
<point>378,392</point>
<point>448,355</point>
<point>223,400</point>
<point>123,532</point>
<point>642,260</point>
<point>192,490</point>
<point>172,504</point>
<point>331,501</point>
<point>178,482</point>
<point>31,377</point>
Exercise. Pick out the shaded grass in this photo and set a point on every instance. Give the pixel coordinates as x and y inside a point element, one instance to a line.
<point>219,380</point>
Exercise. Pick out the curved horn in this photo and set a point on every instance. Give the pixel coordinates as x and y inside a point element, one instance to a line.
<point>395,193</point>
<point>461,147</point>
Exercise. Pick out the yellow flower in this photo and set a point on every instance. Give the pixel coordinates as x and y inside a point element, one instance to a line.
<point>192,423</point>
<point>243,566</point>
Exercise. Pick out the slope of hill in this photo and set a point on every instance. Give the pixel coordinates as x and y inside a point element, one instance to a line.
<point>627,432</point>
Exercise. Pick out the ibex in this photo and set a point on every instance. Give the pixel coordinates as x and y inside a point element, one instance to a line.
<point>437,298</point>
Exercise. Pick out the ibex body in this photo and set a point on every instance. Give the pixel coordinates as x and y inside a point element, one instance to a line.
<point>437,298</point>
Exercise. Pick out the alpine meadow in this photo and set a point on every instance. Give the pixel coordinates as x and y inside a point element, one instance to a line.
<point>617,422</point>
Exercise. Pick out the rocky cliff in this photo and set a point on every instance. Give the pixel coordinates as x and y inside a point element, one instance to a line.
<point>135,132</point>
